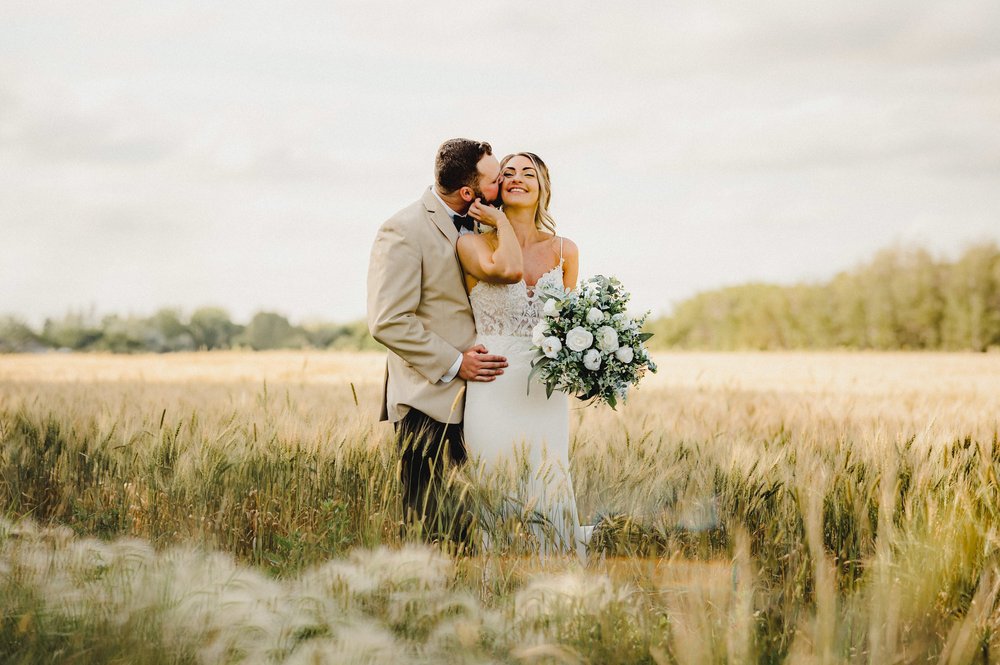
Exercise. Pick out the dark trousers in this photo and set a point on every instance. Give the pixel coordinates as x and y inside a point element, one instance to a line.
<point>429,448</point>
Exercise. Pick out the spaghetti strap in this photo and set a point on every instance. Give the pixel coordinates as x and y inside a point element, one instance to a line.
<point>560,250</point>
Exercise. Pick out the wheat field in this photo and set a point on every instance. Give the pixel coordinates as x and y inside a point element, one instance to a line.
<point>757,508</point>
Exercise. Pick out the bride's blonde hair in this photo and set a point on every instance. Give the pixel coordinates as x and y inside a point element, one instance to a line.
<point>543,220</point>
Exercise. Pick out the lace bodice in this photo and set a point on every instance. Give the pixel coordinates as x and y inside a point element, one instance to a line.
<point>511,309</point>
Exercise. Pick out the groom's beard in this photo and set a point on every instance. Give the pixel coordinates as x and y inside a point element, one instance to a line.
<point>482,197</point>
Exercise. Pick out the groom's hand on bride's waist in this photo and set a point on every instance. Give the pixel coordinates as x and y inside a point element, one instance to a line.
<point>479,365</point>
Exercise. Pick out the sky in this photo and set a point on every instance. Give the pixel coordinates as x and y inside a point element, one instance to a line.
<point>243,154</point>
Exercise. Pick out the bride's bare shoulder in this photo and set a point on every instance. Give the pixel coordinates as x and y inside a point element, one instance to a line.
<point>569,248</point>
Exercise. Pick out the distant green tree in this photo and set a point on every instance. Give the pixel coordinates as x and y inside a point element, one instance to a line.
<point>342,336</point>
<point>128,335</point>
<point>874,281</point>
<point>211,328</point>
<point>167,332</point>
<point>901,299</point>
<point>268,330</point>
<point>356,337</point>
<point>971,292</point>
<point>810,317</point>
<point>323,334</point>
<point>75,330</point>
<point>17,337</point>
<point>688,327</point>
<point>915,289</point>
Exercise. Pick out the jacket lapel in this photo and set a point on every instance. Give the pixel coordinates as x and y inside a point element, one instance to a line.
<point>440,216</point>
<point>442,220</point>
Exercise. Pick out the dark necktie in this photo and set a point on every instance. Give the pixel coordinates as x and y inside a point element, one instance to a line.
<point>463,221</point>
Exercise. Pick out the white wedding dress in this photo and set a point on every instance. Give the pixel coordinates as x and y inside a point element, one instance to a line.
<point>504,422</point>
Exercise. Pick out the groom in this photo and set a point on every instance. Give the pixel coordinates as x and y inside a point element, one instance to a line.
<point>419,310</point>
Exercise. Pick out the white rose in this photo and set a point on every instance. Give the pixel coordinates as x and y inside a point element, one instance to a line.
<point>551,346</point>
<point>594,316</point>
<point>625,354</point>
<point>592,360</point>
<point>579,338</point>
<point>551,307</point>
<point>607,339</point>
<point>538,333</point>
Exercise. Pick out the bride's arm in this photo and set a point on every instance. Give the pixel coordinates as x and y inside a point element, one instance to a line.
<point>571,263</point>
<point>499,262</point>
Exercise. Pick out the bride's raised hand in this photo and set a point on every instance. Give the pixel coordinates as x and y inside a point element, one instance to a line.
<point>486,214</point>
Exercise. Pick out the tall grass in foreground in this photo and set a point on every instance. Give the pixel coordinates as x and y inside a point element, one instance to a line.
<point>846,519</point>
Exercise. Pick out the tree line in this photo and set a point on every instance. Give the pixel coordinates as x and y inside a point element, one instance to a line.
<point>903,298</point>
<point>207,328</point>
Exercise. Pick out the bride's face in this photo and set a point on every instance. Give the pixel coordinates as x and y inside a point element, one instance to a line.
<point>519,183</point>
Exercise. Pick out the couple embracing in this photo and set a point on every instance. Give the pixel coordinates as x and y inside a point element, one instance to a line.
<point>454,288</point>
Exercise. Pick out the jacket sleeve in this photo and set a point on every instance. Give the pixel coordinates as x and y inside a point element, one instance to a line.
<point>394,284</point>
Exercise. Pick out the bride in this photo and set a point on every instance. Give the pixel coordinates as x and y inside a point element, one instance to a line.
<point>505,270</point>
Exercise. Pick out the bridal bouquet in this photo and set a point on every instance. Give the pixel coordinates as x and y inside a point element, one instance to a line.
<point>587,344</point>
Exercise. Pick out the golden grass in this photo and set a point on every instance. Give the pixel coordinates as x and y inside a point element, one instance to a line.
<point>813,507</point>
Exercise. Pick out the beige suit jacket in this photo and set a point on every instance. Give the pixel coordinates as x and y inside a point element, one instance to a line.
<point>418,309</point>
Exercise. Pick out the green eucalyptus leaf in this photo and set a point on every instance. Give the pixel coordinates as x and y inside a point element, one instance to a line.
<point>537,367</point>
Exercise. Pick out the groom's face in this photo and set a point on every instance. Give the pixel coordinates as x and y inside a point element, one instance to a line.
<point>488,187</point>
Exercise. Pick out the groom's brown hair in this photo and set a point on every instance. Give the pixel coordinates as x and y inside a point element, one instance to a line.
<point>457,163</point>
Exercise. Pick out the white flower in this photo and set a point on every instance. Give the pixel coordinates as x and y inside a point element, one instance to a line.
<point>594,316</point>
<point>607,339</point>
<point>592,359</point>
<point>551,346</point>
<point>538,333</point>
<point>625,354</point>
<point>579,338</point>
<point>551,307</point>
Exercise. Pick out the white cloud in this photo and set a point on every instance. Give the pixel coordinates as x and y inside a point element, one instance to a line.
<point>243,153</point>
